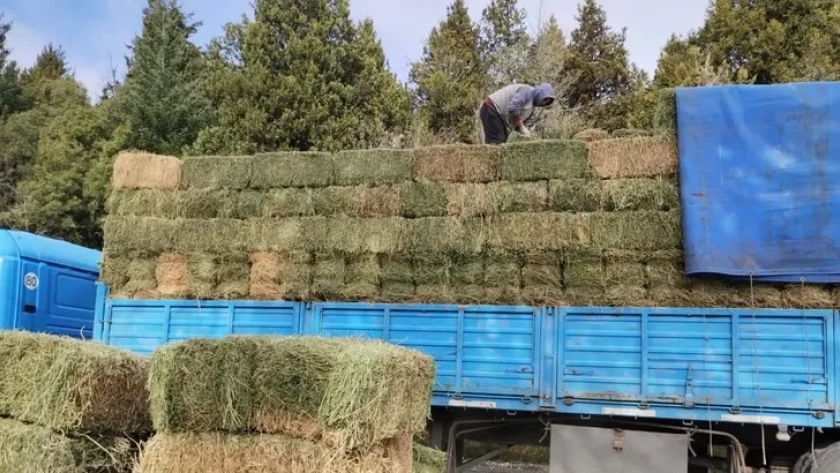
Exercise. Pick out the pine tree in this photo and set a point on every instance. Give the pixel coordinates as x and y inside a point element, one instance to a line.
<point>599,62</point>
<point>449,76</point>
<point>161,100</point>
<point>683,62</point>
<point>51,64</point>
<point>299,77</point>
<point>504,42</point>
<point>12,98</point>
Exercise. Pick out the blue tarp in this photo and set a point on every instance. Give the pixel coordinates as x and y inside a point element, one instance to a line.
<point>760,181</point>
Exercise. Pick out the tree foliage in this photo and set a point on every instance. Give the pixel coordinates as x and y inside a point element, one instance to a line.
<point>450,75</point>
<point>504,43</point>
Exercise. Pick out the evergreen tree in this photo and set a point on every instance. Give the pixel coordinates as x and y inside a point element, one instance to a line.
<point>12,98</point>
<point>773,40</point>
<point>449,77</point>
<point>599,62</point>
<point>161,100</point>
<point>299,77</point>
<point>504,42</point>
<point>683,62</point>
<point>51,64</point>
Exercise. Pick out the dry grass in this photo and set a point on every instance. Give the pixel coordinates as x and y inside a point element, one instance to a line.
<point>457,163</point>
<point>373,167</point>
<point>217,172</point>
<point>636,230</point>
<point>592,134</point>
<point>26,448</point>
<point>544,160</point>
<point>292,169</point>
<point>640,194</point>
<point>134,170</point>
<point>574,195</point>
<point>218,453</point>
<point>807,297</point>
<point>584,269</point>
<point>633,157</point>
<point>280,276</point>
<point>423,199</point>
<point>343,392</point>
<point>517,232</point>
<point>171,275</point>
<point>72,385</point>
<point>428,459</point>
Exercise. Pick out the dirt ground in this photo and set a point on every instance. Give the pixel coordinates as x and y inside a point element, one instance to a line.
<point>508,468</point>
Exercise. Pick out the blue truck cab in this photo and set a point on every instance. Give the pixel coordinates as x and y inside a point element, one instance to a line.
<point>47,285</point>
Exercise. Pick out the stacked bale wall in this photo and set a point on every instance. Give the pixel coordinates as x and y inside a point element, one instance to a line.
<point>568,222</point>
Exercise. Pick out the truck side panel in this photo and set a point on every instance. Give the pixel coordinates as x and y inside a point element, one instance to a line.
<point>764,366</point>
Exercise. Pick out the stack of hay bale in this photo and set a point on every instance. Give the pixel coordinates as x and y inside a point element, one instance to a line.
<point>69,406</point>
<point>286,404</point>
<point>561,222</point>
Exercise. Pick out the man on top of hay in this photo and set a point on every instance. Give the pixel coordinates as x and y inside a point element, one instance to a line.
<point>512,107</point>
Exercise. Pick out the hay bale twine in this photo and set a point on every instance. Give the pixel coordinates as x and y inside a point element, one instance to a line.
<point>137,170</point>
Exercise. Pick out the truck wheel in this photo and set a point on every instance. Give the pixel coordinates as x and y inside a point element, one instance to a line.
<point>828,460</point>
<point>803,464</point>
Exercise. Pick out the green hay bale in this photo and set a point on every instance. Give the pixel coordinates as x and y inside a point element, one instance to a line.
<point>233,276</point>
<point>220,453</point>
<point>439,235</point>
<point>457,163</point>
<point>328,276</point>
<point>144,235</point>
<point>282,235</point>
<point>242,205</point>
<point>292,169</point>
<point>544,160</point>
<point>666,270</point>
<point>502,278</point>
<point>331,201</point>
<point>29,448</point>
<point>344,393</point>
<point>665,113</point>
<point>542,269</point>
<point>428,459</point>
<point>114,270</point>
<point>217,172</point>
<point>362,277</point>
<point>520,196</point>
<point>625,269</point>
<point>574,195</point>
<point>807,297</point>
<point>592,134</point>
<point>640,194</point>
<point>630,133</point>
<point>636,230</point>
<point>467,270</point>
<point>627,296</point>
<point>360,201</point>
<point>143,203</point>
<point>584,269</point>
<point>471,200</point>
<point>543,296</point>
<point>584,297</point>
<point>397,292</point>
<point>385,235</point>
<point>471,294</point>
<point>536,231</point>
<point>282,203</point>
<point>295,274</point>
<point>373,167</point>
<point>433,269</point>
<point>714,294</point>
<point>201,275</point>
<point>212,236</point>
<point>141,276</point>
<point>423,199</point>
<point>435,294</point>
<point>396,269</point>
<point>68,385</point>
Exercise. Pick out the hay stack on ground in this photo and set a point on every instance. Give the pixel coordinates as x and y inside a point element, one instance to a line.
<point>221,453</point>
<point>69,406</point>
<point>27,448</point>
<point>344,392</point>
<point>317,404</point>
<point>446,224</point>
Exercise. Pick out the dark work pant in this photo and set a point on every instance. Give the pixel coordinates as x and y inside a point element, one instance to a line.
<point>495,131</point>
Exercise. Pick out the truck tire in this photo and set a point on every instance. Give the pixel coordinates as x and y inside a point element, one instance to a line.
<point>803,464</point>
<point>827,460</point>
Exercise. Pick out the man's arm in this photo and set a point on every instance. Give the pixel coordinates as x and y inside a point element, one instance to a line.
<point>520,99</point>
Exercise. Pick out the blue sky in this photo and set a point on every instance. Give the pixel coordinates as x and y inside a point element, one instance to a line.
<point>94,33</point>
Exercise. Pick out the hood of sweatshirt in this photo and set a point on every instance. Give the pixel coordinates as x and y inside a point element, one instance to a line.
<point>543,91</point>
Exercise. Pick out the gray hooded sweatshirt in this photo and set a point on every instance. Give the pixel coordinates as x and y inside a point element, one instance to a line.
<point>518,100</point>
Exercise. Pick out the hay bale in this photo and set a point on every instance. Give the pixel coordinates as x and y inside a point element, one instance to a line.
<point>796,296</point>
<point>285,234</point>
<point>171,275</point>
<point>665,270</point>
<point>328,275</point>
<point>433,269</point>
<point>665,113</point>
<point>423,199</point>
<point>457,163</point>
<point>282,203</point>
<point>373,167</point>
<point>68,385</point>
<point>636,230</point>
<point>502,277</point>
<point>630,133</point>
<point>280,276</point>
<point>543,296</point>
<point>146,236</point>
<point>584,297</point>
<point>536,231</point>
<point>397,277</point>
<point>345,393</point>
<point>218,453</point>
<point>361,278</point>
<point>584,268</point>
<point>626,296</point>
<point>134,170</point>
<point>217,172</point>
<point>470,200</point>
<point>520,196</point>
<point>467,271</point>
<point>640,194</point>
<point>627,269</point>
<point>592,134</point>
<point>542,269</point>
<point>189,203</point>
<point>716,294</point>
<point>26,448</point>
<point>396,292</point>
<point>292,169</point>
<point>142,276</point>
<point>574,195</point>
<point>347,235</point>
<point>633,157</point>
<point>428,459</point>
<point>233,276</point>
<point>443,235</point>
<point>545,160</point>
<point>114,270</point>
<point>201,275</point>
<point>435,294</point>
<point>264,277</point>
